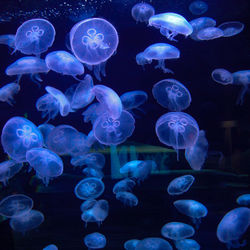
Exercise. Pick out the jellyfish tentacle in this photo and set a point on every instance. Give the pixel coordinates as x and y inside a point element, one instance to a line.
<point>240,98</point>
<point>161,65</point>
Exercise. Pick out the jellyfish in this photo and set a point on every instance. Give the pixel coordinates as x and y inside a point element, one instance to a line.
<point>198,7</point>
<point>210,33</point>
<point>131,244</point>
<point>172,94</point>
<point>89,188</point>
<point>79,144</point>
<point>34,36</point>
<point>8,169</point>
<point>27,221</point>
<point>92,160</point>
<point>141,12</point>
<point>180,184</point>
<point>197,154</point>
<point>231,28</point>
<point>93,172</point>
<point>110,131</point>
<point>244,200</point>
<point>232,226</point>
<point>177,231</point>
<point>126,184</point>
<point>141,60</point>
<point>127,198</point>
<point>187,244</point>
<point>153,244</point>
<point>178,130</point>
<point>81,94</point>
<point>51,247</point>
<point>45,129</point>
<point>171,24</point>
<point>28,65</point>
<point>194,209</point>
<point>92,112</point>
<point>161,52</point>
<point>8,91</point>
<point>64,105</point>
<point>93,41</point>
<point>95,241</point>
<point>46,163</point>
<point>8,40</point>
<point>222,76</point>
<point>15,205</point>
<point>18,136</point>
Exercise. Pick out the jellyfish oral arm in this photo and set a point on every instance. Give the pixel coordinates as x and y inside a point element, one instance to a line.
<point>161,65</point>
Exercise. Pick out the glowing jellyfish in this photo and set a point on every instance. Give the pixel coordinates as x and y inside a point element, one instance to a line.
<point>109,131</point>
<point>131,244</point>
<point>161,52</point>
<point>244,200</point>
<point>210,33</point>
<point>141,60</point>
<point>231,28</point>
<point>79,144</point>
<point>141,12</point>
<point>8,169</point>
<point>222,76</point>
<point>153,244</point>
<point>178,130</point>
<point>8,91</point>
<point>8,40</point>
<point>198,7</point>
<point>51,247</point>
<point>172,94</point>
<point>177,231</point>
<point>93,172</point>
<point>95,241</point>
<point>92,112</point>
<point>45,129</point>
<point>127,198</point>
<point>171,24</point>
<point>194,209</point>
<point>197,154</point>
<point>64,63</point>
<point>126,184</point>
<point>46,163</point>
<point>130,166</point>
<point>180,185</point>
<point>89,188</point>
<point>187,244</point>
<point>34,36</point>
<point>27,221</point>
<point>18,136</point>
<point>28,65</point>
<point>64,105</point>
<point>15,205</point>
<point>232,226</point>
<point>92,160</point>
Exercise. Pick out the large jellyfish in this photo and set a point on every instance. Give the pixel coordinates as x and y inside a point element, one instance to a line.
<point>210,33</point>
<point>160,52</point>
<point>141,12</point>
<point>178,130</point>
<point>64,63</point>
<point>8,40</point>
<point>198,7</point>
<point>51,247</point>
<point>194,209</point>
<point>131,244</point>
<point>18,136</point>
<point>232,226</point>
<point>153,244</point>
<point>172,94</point>
<point>231,28</point>
<point>127,198</point>
<point>95,241</point>
<point>126,184</point>
<point>244,200</point>
<point>46,163</point>
<point>93,41</point>
<point>34,36</point>
<point>180,185</point>
<point>28,65</point>
<point>222,76</point>
<point>187,244</point>
<point>171,24</point>
<point>197,154</point>
<point>8,91</point>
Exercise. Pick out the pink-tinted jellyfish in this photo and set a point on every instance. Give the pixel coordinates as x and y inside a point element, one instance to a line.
<point>231,28</point>
<point>8,91</point>
<point>141,12</point>
<point>210,33</point>
<point>34,36</point>
<point>8,40</point>
<point>222,76</point>
<point>153,243</point>
<point>127,198</point>
<point>95,241</point>
<point>178,130</point>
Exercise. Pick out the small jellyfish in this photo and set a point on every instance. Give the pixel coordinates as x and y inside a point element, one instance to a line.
<point>222,76</point>
<point>89,188</point>
<point>51,247</point>
<point>15,205</point>
<point>45,129</point>
<point>92,160</point>
<point>34,36</point>
<point>64,63</point>
<point>8,91</point>
<point>131,244</point>
<point>153,244</point>
<point>46,163</point>
<point>194,209</point>
<point>141,60</point>
<point>27,221</point>
<point>198,7</point>
<point>141,12</point>
<point>210,33</point>
<point>177,231</point>
<point>160,52</point>
<point>95,241</point>
<point>244,200</point>
<point>126,184</point>
<point>127,198</point>
<point>232,226</point>
<point>197,154</point>
<point>18,136</point>
<point>79,143</point>
<point>178,130</point>
<point>93,172</point>
<point>180,184</point>
<point>172,94</point>
<point>8,40</point>
<point>231,28</point>
<point>187,244</point>
<point>171,24</point>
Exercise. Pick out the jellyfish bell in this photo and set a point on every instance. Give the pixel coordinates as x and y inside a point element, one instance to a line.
<point>126,184</point>
<point>131,244</point>
<point>180,185</point>
<point>8,39</point>
<point>141,12</point>
<point>153,243</point>
<point>127,198</point>
<point>95,241</point>
<point>198,7</point>
<point>244,200</point>
<point>51,247</point>
<point>186,244</point>
<point>231,28</point>
<point>222,76</point>
<point>210,33</point>
<point>8,91</point>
